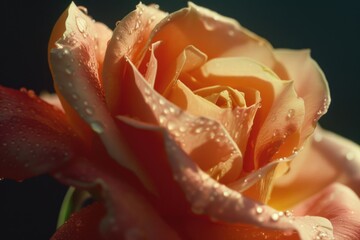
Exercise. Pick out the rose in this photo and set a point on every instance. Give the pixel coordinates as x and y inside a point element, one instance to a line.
<point>186,109</point>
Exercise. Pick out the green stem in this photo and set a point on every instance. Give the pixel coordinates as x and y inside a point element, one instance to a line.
<point>73,201</point>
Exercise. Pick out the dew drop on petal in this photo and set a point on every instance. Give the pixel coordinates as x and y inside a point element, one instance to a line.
<point>81,24</point>
<point>259,210</point>
<point>275,217</point>
<point>290,114</point>
<point>97,127</point>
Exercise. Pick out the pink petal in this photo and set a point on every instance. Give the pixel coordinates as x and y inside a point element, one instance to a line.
<point>35,137</point>
<point>75,71</point>
<point>310,85</point>
<point>338,204</point>
<point>128,41</point>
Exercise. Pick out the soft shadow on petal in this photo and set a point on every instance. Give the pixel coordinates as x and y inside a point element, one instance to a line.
<point>338,159</point>
<point>205,140</point>
<point>129,40</point>
<point>74,68</point>
<point>121,194</point>
<point>338,204</point>
<point>35,136</point>
<point>278,122</point>
<point>310,84</point>
<point>211,33</point>
<point>209,199</point>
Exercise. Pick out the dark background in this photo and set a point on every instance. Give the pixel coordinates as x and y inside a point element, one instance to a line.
<point>28,210</point>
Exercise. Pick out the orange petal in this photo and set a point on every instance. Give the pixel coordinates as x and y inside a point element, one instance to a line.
<point>211,199</point>
<point>278,121</point>
<point>74,67</point>
<point>35,136</point>
<point>110,182</point>
<point>338,160</point>
<point>310,85</point>
<point>129,40</point>
<point>208,198</point>
<point>338,204</point>
<point>211,33</point>
<point>237,120</point>
<point>205,140</point>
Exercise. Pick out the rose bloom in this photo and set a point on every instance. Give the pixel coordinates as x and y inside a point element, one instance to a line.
<point>183,126</point>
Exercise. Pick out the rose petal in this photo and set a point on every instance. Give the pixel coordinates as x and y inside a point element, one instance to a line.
<point>109,182</point>
<point>82,225</point>
<point>52,99</point>
<point>277,124</point>
<point>236,120</point>
<point>129,40</point>
<point>35,136</point>
<point>205,29</point>
<point>195,133</point>
<point>211,199</point>
<point>75,72</point>
<point>338,160</point>
<point>310,84</point>
<point>338,204</point>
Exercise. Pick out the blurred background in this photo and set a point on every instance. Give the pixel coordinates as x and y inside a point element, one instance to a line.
<point>29,209</point>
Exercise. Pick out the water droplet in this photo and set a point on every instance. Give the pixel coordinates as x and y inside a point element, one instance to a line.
<point>275,217</point>
<point>162,119</point>
<point>137,24</point>
<point>68,71</point>
<point>290,114</point>
<point>171,125</point>
<point>74,96</point>
<point>97,127</point>
<point>81,24</point>
<point>83,9</point>
<point>182,129</point>
<point>198,130</point>
<point>89,111</point>
<point>161,101</point>
<point>226,193</point>
<point>259,210</point>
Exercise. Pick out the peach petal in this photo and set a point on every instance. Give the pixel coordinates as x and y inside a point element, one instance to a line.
<point>76,78</point>
<point>129,40</point>
<point>208,197</point>
<point>310,85</point>
<point>102,36</point>
<point>278,121</point>
<point>338,204</point>
<point>35,136</point>
<point>338,159</point>
<point>237,120</point>
<point>52,99</point>
<point>110,183</point>
<point>194,133</point>
<point>205,29</point>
